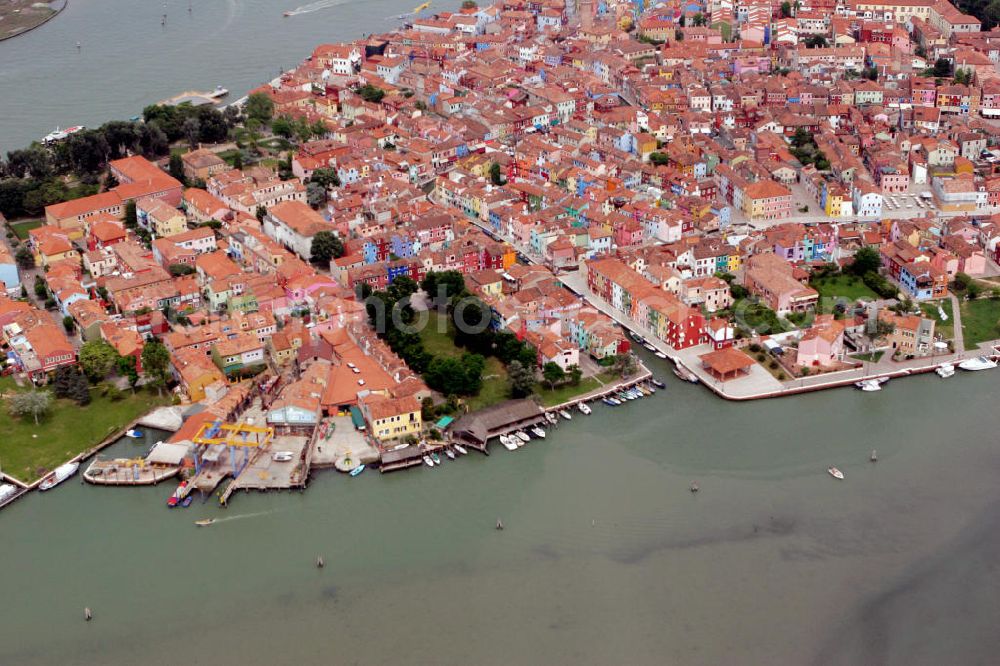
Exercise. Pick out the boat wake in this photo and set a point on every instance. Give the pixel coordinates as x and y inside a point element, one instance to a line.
<point>315,7</point>
<point>226,519</point>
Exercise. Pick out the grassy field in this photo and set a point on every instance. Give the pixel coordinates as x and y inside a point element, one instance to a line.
<point>65,431</point>
<point>437,340</point>
<point>560,394</point>
<point>22,227</point>
<point>944,328</point>
<point>980,321</point>
<point>869,356</point>
<point>840,286</point>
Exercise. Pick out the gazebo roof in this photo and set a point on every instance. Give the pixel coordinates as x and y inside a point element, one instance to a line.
<point>726,361</point>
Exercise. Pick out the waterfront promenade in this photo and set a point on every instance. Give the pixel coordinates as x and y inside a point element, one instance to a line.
<point>760,383</point>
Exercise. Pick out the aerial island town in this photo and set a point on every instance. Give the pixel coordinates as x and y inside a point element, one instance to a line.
<point>475,227</point>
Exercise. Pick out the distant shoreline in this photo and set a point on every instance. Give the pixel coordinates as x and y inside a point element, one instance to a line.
<point>55,13</point>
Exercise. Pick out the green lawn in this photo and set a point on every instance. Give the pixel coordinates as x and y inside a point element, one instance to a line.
<point>65,431</point>
<point>840,286</point>
<point>980,321</point>
<point>437,340</point>
<point>562,394</point>
<point>870,356</point>
<point>22,228</point>
<point>946,329</point>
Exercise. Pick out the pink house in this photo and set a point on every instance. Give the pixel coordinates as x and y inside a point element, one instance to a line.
<point>823,344</point>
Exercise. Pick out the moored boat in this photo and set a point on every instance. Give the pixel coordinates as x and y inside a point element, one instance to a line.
<point>660,354</point>
<point>978,363</point>
<point>869,385</point>
<point>436,458</point>
<point>357,470</point>
<point>836,473</point>
<point>566,415</point>
<point>607,401</point>
<point>657,383</point>
<point>133,433</point>
<point>509,442</point>
<point>7,490</point>
<point>584,408</point>
<point>460,449</point>
<point>450,454</point>
<point>551,418</point>
<point>538,432</point>
<point>524,437</point>
<point>945,370</point>
<point>58,475</point>
<point>427,461</point>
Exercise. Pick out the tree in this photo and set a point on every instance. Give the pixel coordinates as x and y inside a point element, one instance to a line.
<point>282,126</point>
<point>973,291</point>
<point>326,246</point>
<point>962,281</point>
<point>496,177</point>
<point>521,379</point>
<point>155,362</point>
<point>70,383</point>
<point>238,160</point>
<point>866,260</point>
<point>371,93</point>
<point>33,403</point>
<point>942,68</point>
<point>442,286</point>
<point>260,212</point>
<point>126,368</point>
<point>575,375</point>
<point>625,364</point>
<point>69,324</point>
<point>659,159</point>
<point>24,258</point>
<point>259,107</point>
<point>325,177</point>
<point>192,132</point>
<point>176,167</point>
<point>131,218</point>
<point>315,194</point>
<point>41,288</point>
<point>97,359</point>
<point>470,4</point>
<point>816,41</point>
<point>553,373</point>
<point>786,9</point>
<point>178,270</point>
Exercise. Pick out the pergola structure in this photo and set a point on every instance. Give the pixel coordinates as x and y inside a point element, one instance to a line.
<point>726,363</point>
<point>234,436</point>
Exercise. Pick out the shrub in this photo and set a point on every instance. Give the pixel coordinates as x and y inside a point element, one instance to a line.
<point>773,365</point>
<point>754,347</point>
<point>761,357</point>
<point>805,371</point>
<point>781,376</point>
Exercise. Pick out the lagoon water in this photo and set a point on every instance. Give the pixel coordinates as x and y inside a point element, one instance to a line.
<point>128,60</point>
<point>606,556</point>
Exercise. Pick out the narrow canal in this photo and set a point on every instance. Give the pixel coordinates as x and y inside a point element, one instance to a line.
<point>606,556</point>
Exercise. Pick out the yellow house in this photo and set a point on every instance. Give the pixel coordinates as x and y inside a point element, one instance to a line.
<point>160,218</point>
<point>487,281</point>
<point>392,418</point>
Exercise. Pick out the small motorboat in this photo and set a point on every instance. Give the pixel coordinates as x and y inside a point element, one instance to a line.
<point>836,473</point>
<point>173,501</point>
<point>584,408</point>
<point>499,524</point>
<point>614,402</point>
<point>357,470</point>
<point>607,401</point>
<point>869,385</point>
<point>436,458</point>
<point>649,347</point>
<point>460,449</point>
<point>657,383</point>
<point>874,456</point>
<point>134,434</point>
<point>945,370</point>
<point>509,443</point>
<point>186,502</point>
<point>694,487</point>
<point>287,14</point>
<point>523,436</point>
<point>427,461</point>
<point>978,363</point>
<point>283,456</point>
<point>450,454</point>
<point>551,418</point>
<point>660,354</point>
<point>205,522</point>
<point>538,432</point>
<point>58,475</point>
<point>566,415</point>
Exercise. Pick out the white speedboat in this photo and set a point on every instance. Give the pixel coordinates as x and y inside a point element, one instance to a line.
<point>660,354</point>
<point>566,415</point>
<point>649,347</point>
<point>551,418</point>
<point>869,385</point>
<point>450,454</point>
<point>978,363</point>
<point>538,432</point>
<point>584,408</point>
<point>523,436</point>
<point>945,370</point>
<point>836,473</point>
<point>507,443</point>
<point>7,490</point>
<point>460,449</point>
<point>427,461</point>
<point>59,475</point>
<point>60,134</point>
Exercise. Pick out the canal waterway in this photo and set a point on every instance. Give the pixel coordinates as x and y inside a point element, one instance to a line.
<point>606,557</point>
<point>128,60</point>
